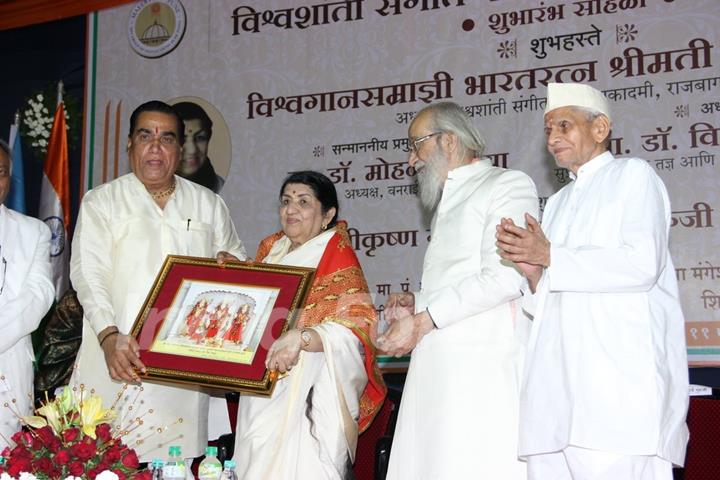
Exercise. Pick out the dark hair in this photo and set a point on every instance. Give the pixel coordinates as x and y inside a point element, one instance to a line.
<point>322,187</point>
<point>159,107</point>
<point>192,111</point>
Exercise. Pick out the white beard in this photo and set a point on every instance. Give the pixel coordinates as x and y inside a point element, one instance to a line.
<point>431,179</point>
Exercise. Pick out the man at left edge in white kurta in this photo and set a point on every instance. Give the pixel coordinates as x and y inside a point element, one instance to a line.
<point>26,294</point>
<point>125,230</point>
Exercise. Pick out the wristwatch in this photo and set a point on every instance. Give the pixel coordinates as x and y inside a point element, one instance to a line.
<point>305,339</point>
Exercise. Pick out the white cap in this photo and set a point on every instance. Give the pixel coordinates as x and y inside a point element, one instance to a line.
<point>576,95</point>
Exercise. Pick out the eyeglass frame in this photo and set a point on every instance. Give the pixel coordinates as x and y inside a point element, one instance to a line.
<point>413,144</point>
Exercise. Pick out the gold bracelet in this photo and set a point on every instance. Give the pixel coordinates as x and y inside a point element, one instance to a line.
<point>305,339</point>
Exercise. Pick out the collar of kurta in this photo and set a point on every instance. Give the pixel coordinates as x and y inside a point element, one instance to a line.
<point>593,165</point>
<point>137,184</point>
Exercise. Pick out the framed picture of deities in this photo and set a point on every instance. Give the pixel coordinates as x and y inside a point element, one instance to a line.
<point>212,325</point>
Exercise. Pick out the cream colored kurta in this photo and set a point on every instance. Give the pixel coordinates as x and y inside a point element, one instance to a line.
<point>458,415</point>
<point>27,294</point>
<point>121,240</point>
<point>274,439</point>
<point>606,365</point>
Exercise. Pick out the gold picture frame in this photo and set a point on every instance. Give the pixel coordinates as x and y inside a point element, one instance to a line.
<point>212,325</point>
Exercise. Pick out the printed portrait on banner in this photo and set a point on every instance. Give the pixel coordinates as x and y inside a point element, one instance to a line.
<point>206,154</point>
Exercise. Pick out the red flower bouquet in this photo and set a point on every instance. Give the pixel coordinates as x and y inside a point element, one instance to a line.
<point>71,437</point>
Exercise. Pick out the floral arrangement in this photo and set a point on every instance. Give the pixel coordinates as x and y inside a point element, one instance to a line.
<point>70,437</point>
<point>38,115</point>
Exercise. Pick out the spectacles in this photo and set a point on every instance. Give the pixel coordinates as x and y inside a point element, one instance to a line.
<point>414,144</point>
<point>166,139</point>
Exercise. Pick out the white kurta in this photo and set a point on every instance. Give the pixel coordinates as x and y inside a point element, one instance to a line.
<point>27,294</point>
<point>606,365</point>
<point>121,240</point>
<point>458,415</point>
<point>274,438</point>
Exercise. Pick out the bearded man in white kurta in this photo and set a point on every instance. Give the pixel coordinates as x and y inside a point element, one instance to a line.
<point>458,414</point>
<point>26,294</point>
<point>125,230</point>
<point>605,389</point>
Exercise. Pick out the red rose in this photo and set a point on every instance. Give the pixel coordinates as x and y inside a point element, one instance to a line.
<point>92,473</point>
<point>17,465</point>
<point>70,434</point>
<point>6,452</point>
<point>21,452</point>
<point>130,460</point>
<point>103,465</point>
<point>63,457</point>
<point>119,473</point>
<point>76,469</point>
<point>113,454</point>
<point>36,444</point>
<point>143,475</point>
<point>46,435</point>
<point>16,438</point>
<point>44,465</point>
<point>55,445</point>
<point>83,451</point>
<point>103,432</point>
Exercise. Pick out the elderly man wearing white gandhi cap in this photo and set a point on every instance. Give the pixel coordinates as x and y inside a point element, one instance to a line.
<point>605,387</point>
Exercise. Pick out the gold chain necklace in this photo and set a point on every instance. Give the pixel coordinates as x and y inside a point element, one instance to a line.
<point>164,193</point>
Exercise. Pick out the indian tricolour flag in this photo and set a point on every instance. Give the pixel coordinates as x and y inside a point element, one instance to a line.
<point>55,199</point>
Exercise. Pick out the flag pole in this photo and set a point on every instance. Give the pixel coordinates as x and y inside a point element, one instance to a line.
<point>59,93</point>
<point>14,128</point>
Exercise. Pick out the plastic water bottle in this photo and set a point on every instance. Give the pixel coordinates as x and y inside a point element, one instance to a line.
<point>156,467</point>
<point>174,468</point>
<point>228,472</point>
<point>210,467</point>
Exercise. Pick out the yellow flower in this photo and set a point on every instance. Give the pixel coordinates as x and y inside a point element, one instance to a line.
<point>66,401</point>
<point>52,415</point>
<point>92,414</point>
<point>34,421</point>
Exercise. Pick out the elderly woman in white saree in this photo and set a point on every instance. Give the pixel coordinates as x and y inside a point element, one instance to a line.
<point>330,388</point>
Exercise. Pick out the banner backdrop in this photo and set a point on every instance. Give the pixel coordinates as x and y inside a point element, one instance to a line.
<point>332,86</point>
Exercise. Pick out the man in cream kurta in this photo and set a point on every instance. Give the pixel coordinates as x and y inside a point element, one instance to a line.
<point>26,294</point>
<point>122,237</point>
<point>458,415</point>
<point>605,389</point>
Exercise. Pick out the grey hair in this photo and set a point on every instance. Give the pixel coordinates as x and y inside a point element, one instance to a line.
<point>8,151</point>
<point>590,115</point>
<point>449,117</point>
